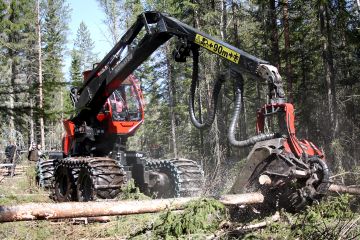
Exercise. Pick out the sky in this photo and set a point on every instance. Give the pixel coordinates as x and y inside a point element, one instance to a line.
<point>90,13</point>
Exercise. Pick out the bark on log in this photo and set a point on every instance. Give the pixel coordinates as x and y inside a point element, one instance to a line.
<point>344,189</point>
<point>240,199</point>
<point>45,211</point>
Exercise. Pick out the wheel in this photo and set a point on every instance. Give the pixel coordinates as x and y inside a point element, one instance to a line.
<point>45,173</point>
<point>100,178</point>
<point>175,178</point>
<point>164,185</point>
<point>64,185</point>
<point>84,186</point>
<point>108,177</point>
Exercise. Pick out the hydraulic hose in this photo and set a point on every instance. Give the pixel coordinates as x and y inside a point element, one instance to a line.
<point>209,119</point>
<point>235,118</point>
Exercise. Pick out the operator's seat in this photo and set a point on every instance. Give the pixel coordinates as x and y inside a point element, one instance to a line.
<point>118,106</point>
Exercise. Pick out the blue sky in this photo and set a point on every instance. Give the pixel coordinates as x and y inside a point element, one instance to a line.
<point>90,13</point>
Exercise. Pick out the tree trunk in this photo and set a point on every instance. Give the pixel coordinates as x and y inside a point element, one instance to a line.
<point>274,38</point>
<point>12,56</point>
<point>329,67</point>
<point>12,92</point>
<point>40,87</point>
<point>31,122</point>
<point>172,100</point>
<point>47,211</point>
<point>287,49</point>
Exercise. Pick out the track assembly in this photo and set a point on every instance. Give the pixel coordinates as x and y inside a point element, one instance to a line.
<point>175,178</point>
<point>88,178</point>
<point>44,173</point>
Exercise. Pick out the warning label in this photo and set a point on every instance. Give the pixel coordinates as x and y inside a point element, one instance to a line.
<point>217,48</point>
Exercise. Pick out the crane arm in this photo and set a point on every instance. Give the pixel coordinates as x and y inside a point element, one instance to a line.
<point>118,64</point>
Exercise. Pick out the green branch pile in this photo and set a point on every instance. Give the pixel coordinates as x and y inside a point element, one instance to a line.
<point>199,217</point>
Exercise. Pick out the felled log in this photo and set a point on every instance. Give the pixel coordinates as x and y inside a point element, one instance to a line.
<point>46,211</point>
<point>344,189</point>
<point>242,199</point>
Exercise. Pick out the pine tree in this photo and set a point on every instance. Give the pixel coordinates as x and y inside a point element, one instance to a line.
<point>17,40</point>
<point>54,32</point>
<point>75,69</point>
<point>84,47</point>
<point>113,17</point>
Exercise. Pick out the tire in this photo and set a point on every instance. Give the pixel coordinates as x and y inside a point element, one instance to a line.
<point>100,178</point>
<point>181,178</point>
<point>84,186</point>
<point>64,185</point>
<point>45,173</point>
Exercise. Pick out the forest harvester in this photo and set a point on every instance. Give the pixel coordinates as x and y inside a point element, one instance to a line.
<point>109,109</point>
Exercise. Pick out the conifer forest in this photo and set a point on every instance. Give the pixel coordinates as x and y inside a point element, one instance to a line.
<point>315,46</point>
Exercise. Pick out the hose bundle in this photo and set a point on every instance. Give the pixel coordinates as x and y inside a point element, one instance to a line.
<point>235,118</point>
<point>213,106</point>
<point>213,102</point>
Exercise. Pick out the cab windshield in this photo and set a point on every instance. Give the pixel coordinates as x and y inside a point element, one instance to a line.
<point>125,104</point>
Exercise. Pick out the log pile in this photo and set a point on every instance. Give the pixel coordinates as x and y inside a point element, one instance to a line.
<point>6,168</point>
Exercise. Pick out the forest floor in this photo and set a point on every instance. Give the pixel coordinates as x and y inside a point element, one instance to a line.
<point>332,219</point>
<point>22,189</point>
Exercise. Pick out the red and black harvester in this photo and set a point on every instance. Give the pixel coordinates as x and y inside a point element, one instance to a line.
<point>110,108</point>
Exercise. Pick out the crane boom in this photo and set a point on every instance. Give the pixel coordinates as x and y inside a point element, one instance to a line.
<point>159,27</point>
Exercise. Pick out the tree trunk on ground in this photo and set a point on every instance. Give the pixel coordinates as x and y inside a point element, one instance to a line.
<point>46,211</point>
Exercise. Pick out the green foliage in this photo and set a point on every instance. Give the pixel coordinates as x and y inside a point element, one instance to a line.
<point>334,208</point>
<point>83,50</point>
<point>201,216</point>
<point>55,15</point>
<point>75,69</point>
<point>329,218</point>
<point>131,191</point>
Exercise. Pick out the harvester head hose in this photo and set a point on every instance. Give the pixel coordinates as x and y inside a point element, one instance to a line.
<point>209,119</point>
<point>235,118</point>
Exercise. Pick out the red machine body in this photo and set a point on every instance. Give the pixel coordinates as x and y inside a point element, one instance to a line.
<point>122,114</point>
<point>287,122</point>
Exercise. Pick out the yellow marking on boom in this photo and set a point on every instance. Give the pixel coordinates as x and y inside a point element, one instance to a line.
<point>217,48</point>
